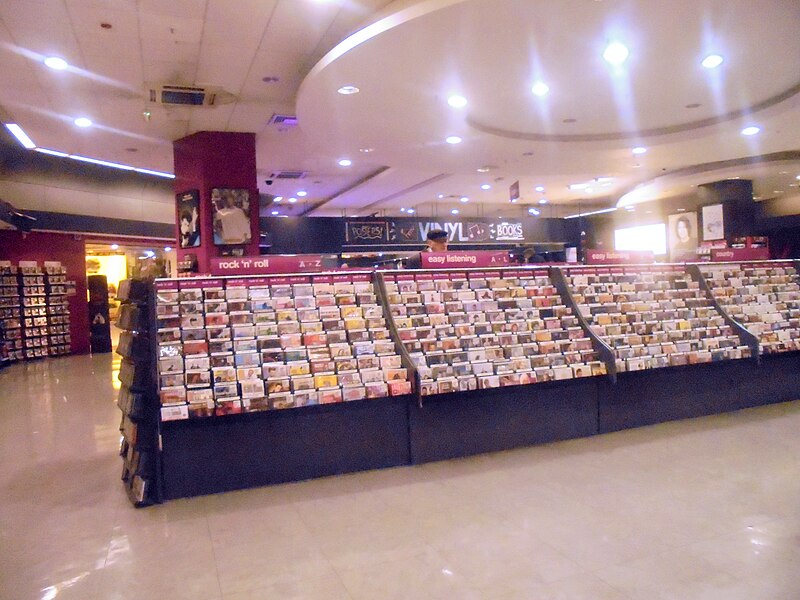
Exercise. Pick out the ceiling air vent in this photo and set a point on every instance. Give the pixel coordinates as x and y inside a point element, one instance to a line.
<point>288,175</point>
<point>284,120</point>
<point>188,95</point>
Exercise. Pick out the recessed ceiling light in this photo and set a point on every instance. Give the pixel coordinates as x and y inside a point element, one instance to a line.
<point>292,200</point>
<point>56,63</point>
<point>302,193</point>
<point>115,246</point>
<point>345,162</point>
<point>483,169</point>
<point>366,150</point>
<point>751,130</point>
<point>639,150</point>
<point>777,191</point>
<point>410,211</point>
<point>167,248</point>
<point>21,136</point>
<point>486,186</point>
<point>616,53</point>
<point>275,212</point>
<point>403,209</point>
<point>578,186</point>
<point>636,166</point>
<point>604,179</point>
<point>464,199</point>
<point>454,211</point>
<point>542,200</point>
<point>347,90</point>
<point>539,188</point>
<point>277,198</point>
<point>457,101</point>
<point>798,177</point>
<point>712,61</point>
<point>514,200</point>
<point>589,190</point>
<point>453,139</point>
<point>681,210</point>
<point>533,211</point>
<point>83,122</point>
<point>540,88</point>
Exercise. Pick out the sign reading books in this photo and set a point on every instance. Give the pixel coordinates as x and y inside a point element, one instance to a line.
<point>614,257</point>
<point>452,260</point>
<point>393,232</point>
<point>259,265</point>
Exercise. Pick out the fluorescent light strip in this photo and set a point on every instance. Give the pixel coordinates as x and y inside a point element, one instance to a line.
<point>52,152</point>
<point>104,163</point>
<point>21,136</point>
<point>594,212</point>
<point>97,161</point>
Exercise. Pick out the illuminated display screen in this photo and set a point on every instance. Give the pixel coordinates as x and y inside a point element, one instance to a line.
<point>643,237</point>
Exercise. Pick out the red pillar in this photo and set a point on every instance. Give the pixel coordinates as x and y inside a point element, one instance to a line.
<point>215,159</point>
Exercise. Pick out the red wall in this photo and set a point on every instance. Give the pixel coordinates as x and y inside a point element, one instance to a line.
<point>215,159</point>
<point>71,253</point>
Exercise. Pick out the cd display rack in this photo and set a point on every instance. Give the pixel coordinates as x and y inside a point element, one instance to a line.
<point>35,337</point>
<point>480,330</point>
<point>10,322</point>
<point>228,346</point>
<point>763,298</point>
<point>137,398</point>
<point>653,316</point>
<point>59,339</point>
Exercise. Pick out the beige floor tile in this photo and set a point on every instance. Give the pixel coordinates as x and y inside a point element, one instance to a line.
<point>312,588</point>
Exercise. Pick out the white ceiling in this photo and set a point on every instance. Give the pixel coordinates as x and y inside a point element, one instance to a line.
<point>406,62</point>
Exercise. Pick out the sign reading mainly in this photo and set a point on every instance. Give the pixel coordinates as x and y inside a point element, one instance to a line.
<point>451,260</point>
<point>613,257</point>
<point>378,232</point>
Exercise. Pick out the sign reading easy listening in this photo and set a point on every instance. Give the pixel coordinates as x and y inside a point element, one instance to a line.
<point>377,232</point>
<point>259,265</point>
<point>452,260</point>
<point>614,257</point>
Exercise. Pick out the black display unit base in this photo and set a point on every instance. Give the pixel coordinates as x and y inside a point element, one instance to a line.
<point>466,423</point>
<point>206,456</point>
<point>657,395</point>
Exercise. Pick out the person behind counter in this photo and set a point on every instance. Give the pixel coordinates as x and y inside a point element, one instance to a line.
<point>436,241</point>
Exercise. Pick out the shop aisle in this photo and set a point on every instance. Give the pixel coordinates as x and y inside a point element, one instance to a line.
<point>708,508</point>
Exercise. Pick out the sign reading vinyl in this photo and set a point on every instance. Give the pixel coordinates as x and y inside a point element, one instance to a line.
<point>413,231</point>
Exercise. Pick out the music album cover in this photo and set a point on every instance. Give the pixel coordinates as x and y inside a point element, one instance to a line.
<point>482,368</point>
<point>277,386</point>
<point>384,347</point>
<point>322,366</point>
<point>376,390</point>
<point>561,372</point>
<point>251,387</point>
<point>306,397</point>
<point>507,379</point>
<point>200,395</point>
<point>190,295</point>
<point>162,310</point>
<point>193,347</point>
<point>299,367</point>
<point>255,404</point>
<point>172,364</point>
<point>266,325</point>
<point>302,382</point>
<point>368,362</point>
<point>218,333</point>
<point>168,380</point>
<point>350,378</point>
<point>291,340</point>
<point>327,380</point>
<point>198,378</point>
<point>218,360</point>
<point>330,396</point>
<point>201,410</point>
<point>246,345</point>
<point>325,300</point>
<point>372,376</point>
<point>262,305</point>
<point>345,363</point>
<point>298,354</point>
<point>164,297</point>
<point>274,370</point>
<point>488,382</point>
<point>226,390</point>
<point>247,359</point>
<point>248,373</point>
<point>398,388</point>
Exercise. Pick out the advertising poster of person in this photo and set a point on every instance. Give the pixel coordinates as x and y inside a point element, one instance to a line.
<point>683,236</point>
<point>231,216</point>
<point>713,223</point>
<point>189,218</point>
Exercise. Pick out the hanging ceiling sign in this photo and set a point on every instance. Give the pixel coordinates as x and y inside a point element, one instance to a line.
<point>394,232</point>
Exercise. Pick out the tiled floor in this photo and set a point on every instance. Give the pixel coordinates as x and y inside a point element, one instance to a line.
<point>708,508</point>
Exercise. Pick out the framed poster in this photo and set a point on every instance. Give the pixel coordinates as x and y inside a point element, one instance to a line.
<point>683,236</point>
<point>231,216</point>
<point>189,218</point>
<point>713,223</point>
